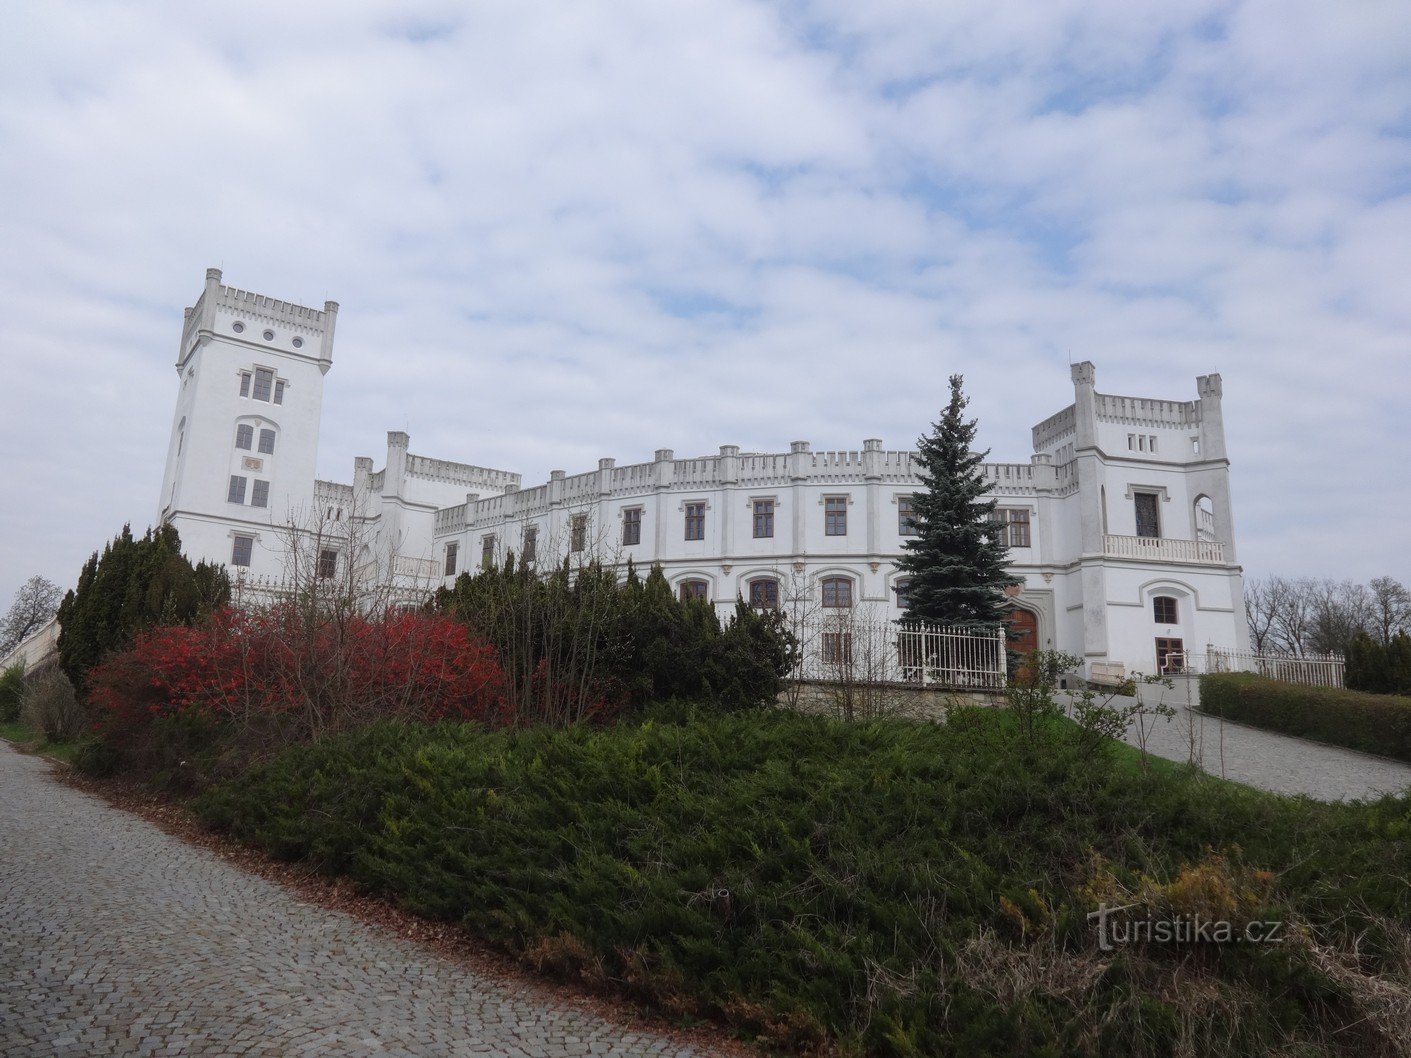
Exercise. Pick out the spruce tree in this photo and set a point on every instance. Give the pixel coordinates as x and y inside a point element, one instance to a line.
<point>956,561</point>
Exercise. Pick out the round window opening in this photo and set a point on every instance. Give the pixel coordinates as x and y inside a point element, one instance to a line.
<point>237,327</point>
<point>269,336</point>
<point>298,343</point>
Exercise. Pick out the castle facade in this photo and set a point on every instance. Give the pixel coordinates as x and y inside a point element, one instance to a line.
<point>1119,523</point>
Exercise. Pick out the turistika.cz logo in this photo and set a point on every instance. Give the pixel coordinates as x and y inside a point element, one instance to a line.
<point>1115,927</point>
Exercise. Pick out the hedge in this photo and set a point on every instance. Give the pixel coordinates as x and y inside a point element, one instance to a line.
<point>1372,723</point>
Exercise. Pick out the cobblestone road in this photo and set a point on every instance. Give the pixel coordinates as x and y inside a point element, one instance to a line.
<point>117,939</point>
<point>1265,759</point>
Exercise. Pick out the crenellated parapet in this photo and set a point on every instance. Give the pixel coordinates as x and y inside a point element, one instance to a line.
<point>732,469</point>
<point>246,315</point>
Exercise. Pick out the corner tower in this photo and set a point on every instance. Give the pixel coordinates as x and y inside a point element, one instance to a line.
<point>244,441</point>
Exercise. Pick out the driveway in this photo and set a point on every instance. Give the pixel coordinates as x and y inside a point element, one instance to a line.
<point>1271,761</point>
<point>118,939</point>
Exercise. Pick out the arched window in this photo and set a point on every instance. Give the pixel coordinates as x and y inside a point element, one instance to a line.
<point>694,589</point>
<point>764,593</point>
<point>1164,610</point>
<point>837,591</point>
<point>1204,518</point>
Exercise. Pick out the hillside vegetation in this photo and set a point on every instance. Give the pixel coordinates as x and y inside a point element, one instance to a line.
<point>885,888</point>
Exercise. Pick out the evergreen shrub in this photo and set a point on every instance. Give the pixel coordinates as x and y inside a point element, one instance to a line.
<point>1373,723</point>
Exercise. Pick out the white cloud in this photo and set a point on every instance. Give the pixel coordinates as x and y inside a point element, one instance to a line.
<point>628,226</point>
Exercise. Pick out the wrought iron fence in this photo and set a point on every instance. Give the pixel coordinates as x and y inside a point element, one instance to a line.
<point>852,650</point>
<point>1313,670</point>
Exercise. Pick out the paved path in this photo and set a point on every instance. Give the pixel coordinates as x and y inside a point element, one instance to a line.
<point>1265,759</point>
<point>117,939</point>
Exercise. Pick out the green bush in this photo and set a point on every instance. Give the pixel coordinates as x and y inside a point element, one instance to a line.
<point>11,693</point>
<point>134,584</point>
<point>1373,723</point>
<point>887,888</point>
<point>581,644</point>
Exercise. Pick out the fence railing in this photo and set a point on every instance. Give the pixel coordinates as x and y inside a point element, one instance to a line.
<point>1313,670</point>
<point>849,650</point>
<point>1205,552</point>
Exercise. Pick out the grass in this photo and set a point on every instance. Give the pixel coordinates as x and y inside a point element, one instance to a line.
<point>29,740</point>
<point>883,888</point>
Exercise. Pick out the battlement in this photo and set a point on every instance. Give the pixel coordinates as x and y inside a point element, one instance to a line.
<point>731,468</point>
<point>258,310</point>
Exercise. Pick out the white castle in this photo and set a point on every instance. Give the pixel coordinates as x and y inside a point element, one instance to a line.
<point>1119,525</point>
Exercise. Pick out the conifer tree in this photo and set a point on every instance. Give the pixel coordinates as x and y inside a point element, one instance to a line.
<point>134,584</point>
<point>956,561</point>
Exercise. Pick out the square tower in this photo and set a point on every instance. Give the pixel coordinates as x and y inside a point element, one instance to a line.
<point>244,442</point>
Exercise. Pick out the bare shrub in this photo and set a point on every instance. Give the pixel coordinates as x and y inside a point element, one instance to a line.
<point>50,706</point>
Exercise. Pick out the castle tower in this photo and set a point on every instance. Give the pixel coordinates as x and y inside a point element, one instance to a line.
<point>244,441</point>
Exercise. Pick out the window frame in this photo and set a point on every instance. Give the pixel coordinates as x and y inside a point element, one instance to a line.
<point>695,520</point>
<point>840,589</point>
<point>487,551</point>
<point>687,589</point>
<point>244,437</point>
<point>259,493</point>
<point>1017,531</point>
<point>266,436</point>
<point>756,586</point>
<point>327,563</point>
<point>451,559</point>
<point>578,533</point>
<point>631,526</point>
<point>236,540</point>
<point>835,515</point>
<point>235,493</point>
<point>1165,610</point>
<point>762,512</point>
<point>906,516</point>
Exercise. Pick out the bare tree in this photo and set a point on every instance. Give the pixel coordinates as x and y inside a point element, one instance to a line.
<point>1391,608</point>
<point>1340,609</point>
<point>34,606</point>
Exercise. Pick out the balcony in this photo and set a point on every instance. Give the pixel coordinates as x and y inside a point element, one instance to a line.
<point>1156,549</point>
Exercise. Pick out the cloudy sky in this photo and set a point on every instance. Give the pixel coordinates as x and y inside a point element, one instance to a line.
<point>564,231</point>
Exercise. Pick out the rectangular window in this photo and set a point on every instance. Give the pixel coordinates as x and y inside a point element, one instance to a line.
<point>632,526</point>
<point>835,516</point>
<point>906,514</point>
<point>279,392</point>
<point>244,436</point>
<point>837,648</point>
<point>236,492</point>
<point>452,550</point>
<point>267,442</point>
<point>837,591</point>
<point>1016,522</point>
<point>578,533</point>
<point>695,521</point>
<point>244,383</point>
<point>1164,609</point>
<point>264,383</point>
<point>259,493</point>
<point>764,594</point>
<point>241,549</point>
<point>327,564</point>
<point>763,518</point>
<point>487,552</point>
<point>531,542</point>
<point>1148,514</point>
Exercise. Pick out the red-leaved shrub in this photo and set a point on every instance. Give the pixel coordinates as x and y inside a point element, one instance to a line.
<point>271,677</point>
